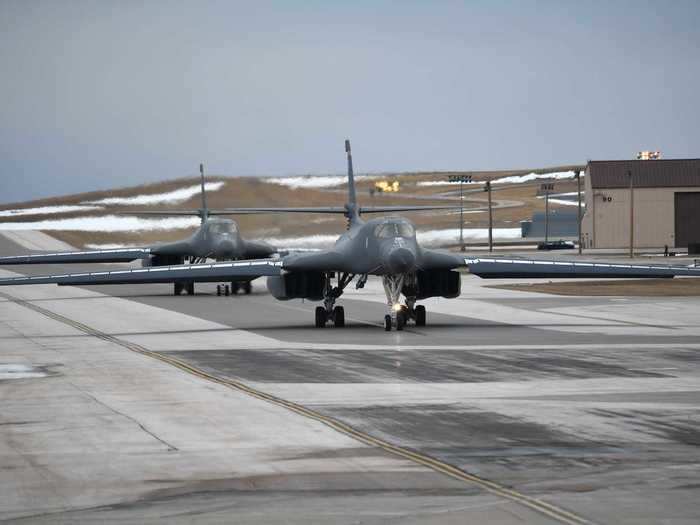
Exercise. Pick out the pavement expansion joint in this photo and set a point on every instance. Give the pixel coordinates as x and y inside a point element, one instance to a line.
<point>552,511</point>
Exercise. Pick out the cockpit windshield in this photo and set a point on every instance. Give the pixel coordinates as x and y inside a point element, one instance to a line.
<point>394,229</point>
<point>223,227</point>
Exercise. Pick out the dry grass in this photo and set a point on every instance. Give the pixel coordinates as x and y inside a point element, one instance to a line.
<point>683,287</point>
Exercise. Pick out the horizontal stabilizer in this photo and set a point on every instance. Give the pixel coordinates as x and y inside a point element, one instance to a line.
<point>164,213</point>
<point>216,272</point>
<point>330,209</point>
<point>393,209</point>
<point>248,211</point>
<point>95,256</point>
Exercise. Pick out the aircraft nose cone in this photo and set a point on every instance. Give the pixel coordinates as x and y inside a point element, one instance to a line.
<point>226,247</point>
<point>401,260</point>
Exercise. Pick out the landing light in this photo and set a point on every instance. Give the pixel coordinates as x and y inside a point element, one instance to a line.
<point>396,307</point>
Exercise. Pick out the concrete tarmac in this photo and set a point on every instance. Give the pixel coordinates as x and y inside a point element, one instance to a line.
<point>588,404</point>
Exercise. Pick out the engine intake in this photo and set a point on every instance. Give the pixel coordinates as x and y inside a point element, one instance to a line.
<point>163,260</point>
<point>297,285</point>
<point>435,283</point>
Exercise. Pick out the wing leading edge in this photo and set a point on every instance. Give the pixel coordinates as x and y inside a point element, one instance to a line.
<point>497,268</point>
<point>94,256</point>
<point>215,272</point>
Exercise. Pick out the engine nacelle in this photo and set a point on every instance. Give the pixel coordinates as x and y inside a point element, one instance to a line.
<point>297,285</point>
<point>435,283</point>
<point>163,260</point>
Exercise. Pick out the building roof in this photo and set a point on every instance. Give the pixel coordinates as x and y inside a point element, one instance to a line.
<point>664,173</point>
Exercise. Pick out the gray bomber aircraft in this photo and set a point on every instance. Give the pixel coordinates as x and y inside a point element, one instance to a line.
<point>384,247</point>
<point>216,238</point>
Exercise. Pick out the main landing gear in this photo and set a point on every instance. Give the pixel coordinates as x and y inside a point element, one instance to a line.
<point>234,288</point>
<point>330,312</point>
<point>400,314</point>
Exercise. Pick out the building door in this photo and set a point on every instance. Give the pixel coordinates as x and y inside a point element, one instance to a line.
<point>687,218</point>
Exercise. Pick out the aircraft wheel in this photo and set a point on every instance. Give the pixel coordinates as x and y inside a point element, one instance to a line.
<point>190,288</point>
<point>177,288</point>
<point>218,289</point>
<point>420,315</point>
<point>387,323</point>
<point>235,286</point>
<point>247,287</point>
<point>400,320</point>
<point>339,316</point>
<point>227,291</point>
<point>321,317</point>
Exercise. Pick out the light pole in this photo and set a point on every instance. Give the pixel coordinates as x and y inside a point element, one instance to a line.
<point>578,183</point>
<point>488,189</point>
<point>461,179</point>
<point>629,174</point>
<point>546,188</point>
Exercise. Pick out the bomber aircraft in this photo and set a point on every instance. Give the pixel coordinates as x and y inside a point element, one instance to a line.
<point>216,238</point>
<point>385,247</point>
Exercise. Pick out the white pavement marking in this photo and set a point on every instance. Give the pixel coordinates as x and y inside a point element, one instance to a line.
<point>36,240</point>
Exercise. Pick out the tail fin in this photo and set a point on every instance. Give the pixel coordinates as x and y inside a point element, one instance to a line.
<point>352,210</point>
<point>204,212</point>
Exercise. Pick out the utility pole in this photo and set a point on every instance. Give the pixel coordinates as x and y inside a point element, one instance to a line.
<point>578,183</point>
<point>488,189</point>
<point>629,174</point>
<point>461,179</point>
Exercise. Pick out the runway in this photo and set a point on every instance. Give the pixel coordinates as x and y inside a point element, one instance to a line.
<point>576,409</point>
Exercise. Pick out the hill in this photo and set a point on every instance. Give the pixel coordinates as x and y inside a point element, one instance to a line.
<point>91,219</point>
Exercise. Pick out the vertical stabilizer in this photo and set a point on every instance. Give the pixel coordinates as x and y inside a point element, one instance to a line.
<point>204,212</point>
<point>351,206</point>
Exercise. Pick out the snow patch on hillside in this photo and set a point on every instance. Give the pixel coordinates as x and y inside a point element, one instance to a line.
<point>316,181</point>
<point>426,238</point>
<point>108,223</point>
<point>47,210</point>
<point>170,197</point>
<point>514,179</point>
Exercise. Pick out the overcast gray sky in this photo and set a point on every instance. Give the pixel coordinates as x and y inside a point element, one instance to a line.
<point>102,94</point>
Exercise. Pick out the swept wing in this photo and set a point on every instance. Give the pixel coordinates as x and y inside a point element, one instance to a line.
<point>94,256</point>
<point>503,268</point>
<point>215,272</point>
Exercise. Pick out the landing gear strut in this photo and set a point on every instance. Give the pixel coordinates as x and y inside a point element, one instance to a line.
<point>330,312</point>
<point>400,314</point>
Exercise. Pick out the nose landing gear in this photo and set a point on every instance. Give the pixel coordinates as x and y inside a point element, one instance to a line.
<point>330,312</point>
<point>400,314</point>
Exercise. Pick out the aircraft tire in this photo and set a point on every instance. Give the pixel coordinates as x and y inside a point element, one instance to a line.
<point>387,323</point>
<point>227,290</point>
<point>339,316</point>
<point>321,317</point>
<point>420,315</point>
<point>400,320</point>
<point>247,287</point>
<point>177,288</point>
<point>218,289</point>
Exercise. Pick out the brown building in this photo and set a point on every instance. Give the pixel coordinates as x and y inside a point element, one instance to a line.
<point>666,203</point>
